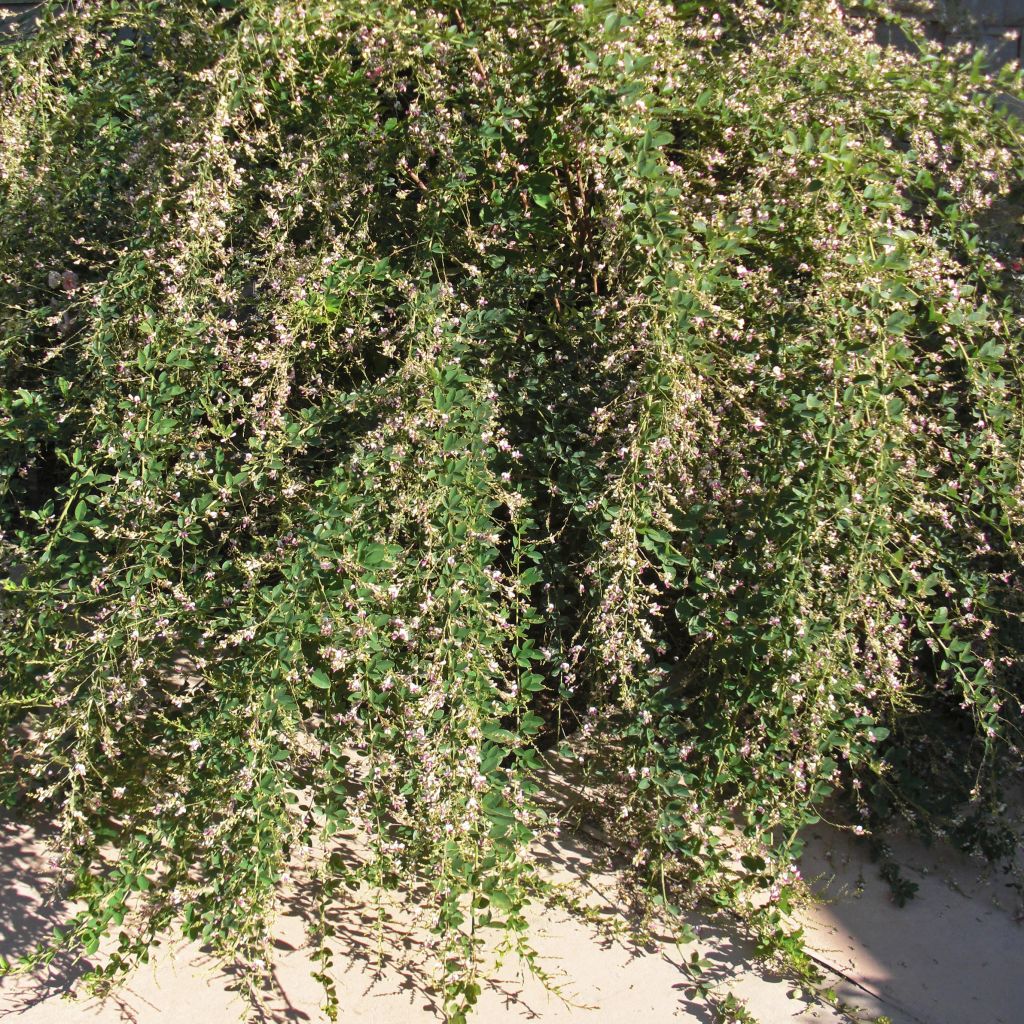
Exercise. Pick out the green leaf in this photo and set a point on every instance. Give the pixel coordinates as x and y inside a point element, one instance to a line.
<point>500,900</point>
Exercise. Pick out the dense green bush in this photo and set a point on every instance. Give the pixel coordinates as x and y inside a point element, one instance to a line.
<point>393,395</point>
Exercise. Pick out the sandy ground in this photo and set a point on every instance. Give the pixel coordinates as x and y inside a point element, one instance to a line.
<point>952,956</point>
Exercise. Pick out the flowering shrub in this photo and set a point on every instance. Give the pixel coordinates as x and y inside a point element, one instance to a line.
<point>391,397</point>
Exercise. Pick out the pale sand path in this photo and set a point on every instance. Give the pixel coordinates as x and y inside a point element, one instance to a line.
<point>953,955</point>
<point>945,959</point>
